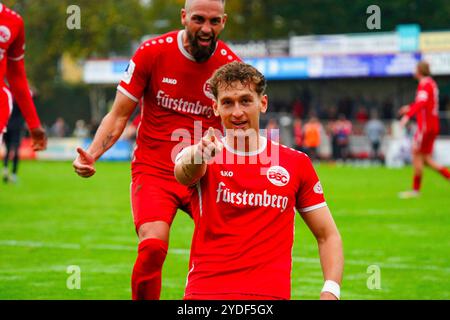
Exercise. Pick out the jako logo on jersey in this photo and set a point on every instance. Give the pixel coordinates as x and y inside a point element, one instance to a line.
<point>279,176</point>
<point>318,188</point>
<point>169,81</point>
<point>5,34</point>
<point>208,91</point>
<point>226,173</point>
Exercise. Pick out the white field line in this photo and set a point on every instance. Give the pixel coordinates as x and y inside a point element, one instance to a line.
<point>179,251</point>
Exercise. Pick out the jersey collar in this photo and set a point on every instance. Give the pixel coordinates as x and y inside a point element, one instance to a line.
<point>263,146</point>
<point>184,51</point>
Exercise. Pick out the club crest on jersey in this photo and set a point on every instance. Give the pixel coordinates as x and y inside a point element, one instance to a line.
<point>208,91</point>
<point>5,34</point>
<point>318,188</point>
<point>279,176</point>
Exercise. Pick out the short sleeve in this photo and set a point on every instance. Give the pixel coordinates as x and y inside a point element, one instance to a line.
<point>16,50</point>
<point>137,74</point>
<point>310,194</point>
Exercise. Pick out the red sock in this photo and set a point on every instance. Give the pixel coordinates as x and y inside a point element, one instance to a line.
<point>417,182</point>
<point>445,173</point>
<point>146,278</point>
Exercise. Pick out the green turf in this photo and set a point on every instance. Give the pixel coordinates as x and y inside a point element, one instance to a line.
<point>52,219</point>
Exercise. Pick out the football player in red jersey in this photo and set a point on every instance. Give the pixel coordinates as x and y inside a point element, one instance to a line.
<point>244,205</point>
<point>170,74</point>
<point>426,110</point>
<point>12,67</point>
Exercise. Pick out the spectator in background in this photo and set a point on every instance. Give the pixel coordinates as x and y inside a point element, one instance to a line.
<point>59,128</point>
<point>12,138</point>
<point>298,108</point>
<point>273,130</point>
<point>361,115</point>
<point>375,131</point>
<point>312,133</point>
<point>341,131</point>
<point>387,110</point>
<point>345,107</point>
<point>298,134</point>
<point>81,130</point>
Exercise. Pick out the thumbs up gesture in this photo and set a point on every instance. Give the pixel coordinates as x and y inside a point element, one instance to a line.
<point>84,164</point>
<point>208,147</point>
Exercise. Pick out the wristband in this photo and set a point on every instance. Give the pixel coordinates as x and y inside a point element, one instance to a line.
<point>333,288</point>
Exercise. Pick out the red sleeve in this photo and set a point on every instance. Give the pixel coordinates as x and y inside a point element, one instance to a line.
<point>16,50</point>
<point>17,79</point>
<point>422,97</point>
<point>310,194</point>
<point>137,75</point>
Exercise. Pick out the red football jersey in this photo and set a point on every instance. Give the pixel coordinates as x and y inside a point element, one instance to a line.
<point>426,106</point>
<point>12,67</point>
<point>177,102</point>
<point>12,39</point>
<point>243,209</point>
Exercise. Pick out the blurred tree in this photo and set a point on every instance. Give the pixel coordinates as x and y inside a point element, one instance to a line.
<point>109,27</point>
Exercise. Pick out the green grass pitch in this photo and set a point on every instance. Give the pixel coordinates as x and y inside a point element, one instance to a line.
<point>52,219</point>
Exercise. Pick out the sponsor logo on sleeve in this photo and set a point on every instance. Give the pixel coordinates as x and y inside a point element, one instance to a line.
<point>318,188</point>
<point>5,34</point>
<point>278,176</point>
<point>128,75</point>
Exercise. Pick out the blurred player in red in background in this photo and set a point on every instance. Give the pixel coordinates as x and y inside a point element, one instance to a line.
<point>12,67</point>
<point>426,110</point>
<point>243,207</point>
<point>170,72</point>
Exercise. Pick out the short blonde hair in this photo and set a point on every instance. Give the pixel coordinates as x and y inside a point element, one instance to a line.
<point>237,71</point>
<point>424,68</point>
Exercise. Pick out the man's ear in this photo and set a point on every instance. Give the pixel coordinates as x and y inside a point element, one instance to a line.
<point>183,16</point>
<point>264,103</point>
<point>224,19</point>
<point>216,108</point>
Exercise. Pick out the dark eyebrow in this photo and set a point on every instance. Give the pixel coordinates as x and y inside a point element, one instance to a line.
<point>246,96</point>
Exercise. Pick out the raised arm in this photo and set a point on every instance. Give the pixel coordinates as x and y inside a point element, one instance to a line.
<point>322,225</point>
<point>108,133</point>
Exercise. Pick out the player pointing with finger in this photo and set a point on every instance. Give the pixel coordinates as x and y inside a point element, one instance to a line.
<point>244,207</point>
<point>169,74</point>
<point>198,156</point>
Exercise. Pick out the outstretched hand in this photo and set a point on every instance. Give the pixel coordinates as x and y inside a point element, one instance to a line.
<point>84,164</point>
<point>209,146</point>
<point>39,139</point>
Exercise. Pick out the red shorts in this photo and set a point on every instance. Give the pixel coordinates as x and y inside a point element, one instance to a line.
<point>424,141</point>
<point>6,105</point>
<point>157,199</point>
<point>231,296</point>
